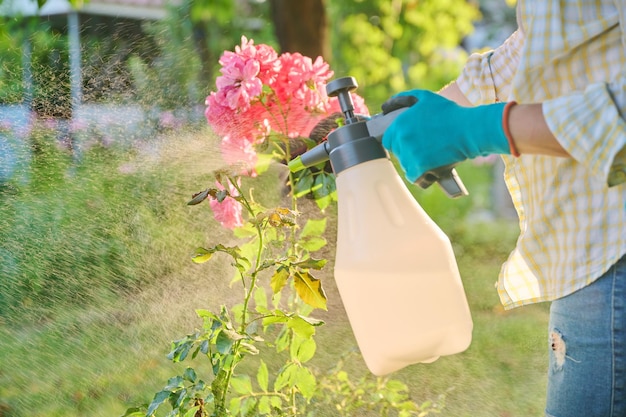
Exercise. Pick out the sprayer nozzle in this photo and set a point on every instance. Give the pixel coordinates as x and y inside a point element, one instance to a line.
<point>296,165</point>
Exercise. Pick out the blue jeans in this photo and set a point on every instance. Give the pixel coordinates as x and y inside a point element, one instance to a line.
<point>587,374</point>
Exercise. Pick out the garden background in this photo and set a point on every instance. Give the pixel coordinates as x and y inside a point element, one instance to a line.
<point>96,238</point>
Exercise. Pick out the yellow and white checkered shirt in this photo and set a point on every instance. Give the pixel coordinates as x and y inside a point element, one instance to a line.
<point>570,56</point>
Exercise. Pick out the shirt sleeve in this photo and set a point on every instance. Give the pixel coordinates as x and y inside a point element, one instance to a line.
<point>487,76</point>
<point>590,125</point>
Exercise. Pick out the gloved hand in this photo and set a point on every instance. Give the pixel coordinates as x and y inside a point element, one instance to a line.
<point>437,132</point>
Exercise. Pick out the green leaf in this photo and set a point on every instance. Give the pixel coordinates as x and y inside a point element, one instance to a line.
<point>278,317</point>
<point>202,255</point>
<point>159,398</point>
<point>310,290</point>
<point>262,376</point>
<point>135,412</point>
<point>306,382</point>
<point>276,402</point>
<point>313,228</point>
<point>283,338</point>
<point>247,406</point>
<point>181,350</point>
<point>198,197</point>
<point>192,411</point>
<point>312,263</point>
<point>264,161</point>
<point>177,398</point>
<point>324,190</point>
<point>173,383</point>
<point>301,327</point>
<point>286,377</point>
<point>279,279</point>
<point>304,183</point>
<point>265,406</point>
<point>303,349</point>
<point>190,375</point>
<point>313,243</point>
<point>260,298</point>
<point>206,314</point>
<point>234,406</point>
<point>324,202</point>
<point>241,384</point>
<point>224,343</point>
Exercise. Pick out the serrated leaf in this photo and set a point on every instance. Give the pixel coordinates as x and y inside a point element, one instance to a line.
<point>276,402</point>
<point>135,412</point>
<point>313,243</point>
<point>286,377</point>
<point>202,255</point>
<point>310,290</point>
<point>301,327</point>
<point>190,375</point>
<point>303,349</point>
<point>198,197</point>
<point>274,319</point>
<point>262,376</point>
<point>223,343</point>
<point>159,398</point>
<point>303,185</point>
<point>279,279</point>
<point>173,383</point>
<point>247,406</point>
<point>177,398</point>
<point>221,195</point>
<point>324,185</point>
<point>324,202</point>
<point>306,382</point>
<point>235,406</point>
<point>313,227</point>
<point>282,340</point>
<point>312,263</point>
<point>192,411</point>
<point>241,384</point>
<point>265,406</point>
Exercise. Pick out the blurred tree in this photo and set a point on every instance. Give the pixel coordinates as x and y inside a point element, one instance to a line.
<point>301,26</point>
<point>392,45</point>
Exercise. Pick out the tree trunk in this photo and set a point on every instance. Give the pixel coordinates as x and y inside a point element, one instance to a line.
<point>301,26</point>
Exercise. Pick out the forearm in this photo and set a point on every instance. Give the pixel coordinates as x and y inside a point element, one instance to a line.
<point>531,134</point>
<point>527,125</point>
<point>454,93</point>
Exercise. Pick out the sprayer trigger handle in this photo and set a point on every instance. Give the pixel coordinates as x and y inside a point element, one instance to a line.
<point>447,178</point>
<point>398,102</point>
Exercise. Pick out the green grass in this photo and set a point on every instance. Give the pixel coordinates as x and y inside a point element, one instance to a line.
<point>105,282</point>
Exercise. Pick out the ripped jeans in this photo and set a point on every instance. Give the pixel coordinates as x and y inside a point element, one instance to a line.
<point>587,374</point>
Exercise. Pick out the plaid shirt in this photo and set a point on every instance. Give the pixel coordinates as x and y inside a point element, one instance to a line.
<point>571,56</point>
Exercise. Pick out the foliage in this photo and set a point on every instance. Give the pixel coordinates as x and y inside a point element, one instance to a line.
<point>263,97</point>
<point>70,230</point>
<point>390,46</point>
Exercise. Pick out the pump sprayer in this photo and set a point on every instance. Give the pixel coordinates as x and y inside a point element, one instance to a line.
<point>394,267</point>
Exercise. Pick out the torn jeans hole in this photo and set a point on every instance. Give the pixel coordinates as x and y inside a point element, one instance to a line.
<point>559,349</point>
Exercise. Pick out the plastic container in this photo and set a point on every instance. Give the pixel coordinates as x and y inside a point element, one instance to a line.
<point>396,272</point>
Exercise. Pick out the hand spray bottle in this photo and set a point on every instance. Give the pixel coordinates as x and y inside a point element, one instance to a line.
<point>395,269</point>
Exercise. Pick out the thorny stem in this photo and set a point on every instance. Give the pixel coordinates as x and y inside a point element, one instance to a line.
<point>247,290</point>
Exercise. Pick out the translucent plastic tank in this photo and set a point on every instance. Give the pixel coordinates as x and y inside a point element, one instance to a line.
<point>396,272</point>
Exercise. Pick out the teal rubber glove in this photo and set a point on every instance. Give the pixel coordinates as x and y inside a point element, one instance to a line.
<point>436,132</point>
